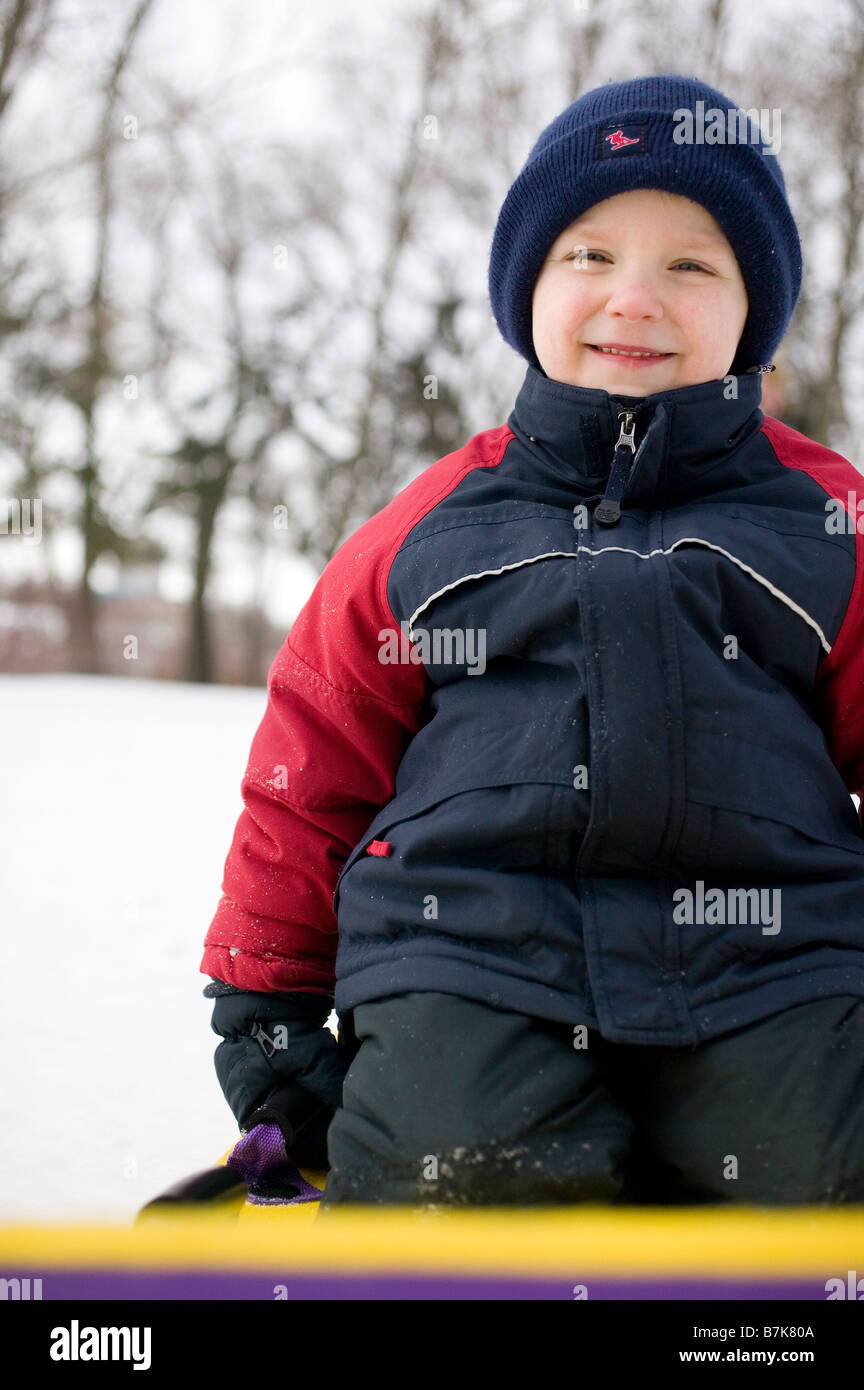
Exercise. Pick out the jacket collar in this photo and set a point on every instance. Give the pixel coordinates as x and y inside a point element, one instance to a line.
<point>678,432</point>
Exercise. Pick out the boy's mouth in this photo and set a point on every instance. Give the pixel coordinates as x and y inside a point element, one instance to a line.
<point>624,352</point>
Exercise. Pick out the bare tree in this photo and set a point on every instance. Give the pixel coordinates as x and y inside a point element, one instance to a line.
<point>224,435</point>
<point>319,386</point>
<point>832,305</point>
<point>82,383</point>
<point>96,367</point>
<point>23,28</point>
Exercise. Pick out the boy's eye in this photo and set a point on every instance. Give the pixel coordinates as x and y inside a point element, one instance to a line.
<point>580,255</point>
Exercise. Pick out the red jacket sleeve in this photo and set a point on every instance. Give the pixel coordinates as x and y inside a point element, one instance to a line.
<point>840,680</point>
<point>324,758</point>
<point>841,686</point>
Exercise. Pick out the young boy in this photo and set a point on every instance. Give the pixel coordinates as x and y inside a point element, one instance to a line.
<point>575,721</point>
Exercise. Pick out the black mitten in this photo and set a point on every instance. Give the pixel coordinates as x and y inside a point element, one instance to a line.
<point>279,1063</point>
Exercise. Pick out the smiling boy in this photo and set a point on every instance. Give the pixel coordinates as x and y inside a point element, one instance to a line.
<point>647,271</point>
<point>670,696</point>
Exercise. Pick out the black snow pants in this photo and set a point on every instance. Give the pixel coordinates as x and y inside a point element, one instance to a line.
<point>449,1101</point>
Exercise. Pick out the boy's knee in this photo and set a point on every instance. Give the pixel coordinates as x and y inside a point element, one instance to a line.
<point>451,1101</point>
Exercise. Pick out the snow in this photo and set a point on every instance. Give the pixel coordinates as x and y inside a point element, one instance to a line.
<point>119,802</point>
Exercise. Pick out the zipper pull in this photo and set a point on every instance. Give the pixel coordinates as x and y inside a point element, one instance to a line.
<point>627,437</point>
<point>608,511</point>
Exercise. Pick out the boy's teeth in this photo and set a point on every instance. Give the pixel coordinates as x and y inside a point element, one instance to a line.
<point>619,352</point>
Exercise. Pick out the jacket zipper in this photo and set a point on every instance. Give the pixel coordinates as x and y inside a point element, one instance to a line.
<point>608,510</point>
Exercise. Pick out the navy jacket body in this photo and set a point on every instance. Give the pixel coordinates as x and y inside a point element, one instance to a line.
<point>595,773</point>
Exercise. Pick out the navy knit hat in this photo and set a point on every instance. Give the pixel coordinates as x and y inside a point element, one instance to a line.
<point>621,137</point>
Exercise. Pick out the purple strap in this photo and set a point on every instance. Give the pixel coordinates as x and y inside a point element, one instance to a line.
<point>260,1159</point>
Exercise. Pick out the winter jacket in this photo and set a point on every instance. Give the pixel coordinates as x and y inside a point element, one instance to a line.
<point>597,773</point>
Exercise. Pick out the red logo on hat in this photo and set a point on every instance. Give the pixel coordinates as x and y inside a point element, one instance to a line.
<point>618,138</point>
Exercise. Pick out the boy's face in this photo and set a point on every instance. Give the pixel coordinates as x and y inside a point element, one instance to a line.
<point>649,270</point>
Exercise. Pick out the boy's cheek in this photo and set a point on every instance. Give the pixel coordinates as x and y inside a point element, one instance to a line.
<point>559,308</point>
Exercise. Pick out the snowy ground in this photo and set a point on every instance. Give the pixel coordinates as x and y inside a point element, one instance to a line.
<point>118,804</point>
<point>119,799</point>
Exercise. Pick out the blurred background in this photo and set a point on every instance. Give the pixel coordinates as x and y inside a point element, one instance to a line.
<point>243,253</point>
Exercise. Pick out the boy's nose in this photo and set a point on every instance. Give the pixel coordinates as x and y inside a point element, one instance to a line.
<point>634,299</point>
